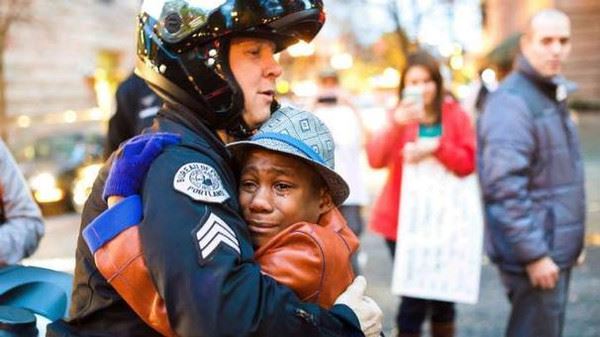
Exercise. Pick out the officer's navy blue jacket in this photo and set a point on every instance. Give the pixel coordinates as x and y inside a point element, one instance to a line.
<point>209,289</point>
<point>531,173</point>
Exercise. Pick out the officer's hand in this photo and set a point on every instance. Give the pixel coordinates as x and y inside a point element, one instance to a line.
<point>366,310</point>
<point>543,273</point>
<point>133,160</point>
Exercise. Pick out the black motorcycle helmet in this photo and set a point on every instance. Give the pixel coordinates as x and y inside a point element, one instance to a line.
<point>183,49</point>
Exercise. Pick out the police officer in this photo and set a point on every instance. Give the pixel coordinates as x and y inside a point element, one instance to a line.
<point>136,106</point>
<point>213,66</point>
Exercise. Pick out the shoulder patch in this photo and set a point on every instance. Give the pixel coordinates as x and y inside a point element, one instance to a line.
<point>212,234</point>
<point>200,182</point>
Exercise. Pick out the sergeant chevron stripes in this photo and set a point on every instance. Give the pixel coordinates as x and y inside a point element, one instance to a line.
<point>213,233</point>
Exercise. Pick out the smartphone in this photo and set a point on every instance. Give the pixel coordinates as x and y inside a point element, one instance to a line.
<point>413,94</point>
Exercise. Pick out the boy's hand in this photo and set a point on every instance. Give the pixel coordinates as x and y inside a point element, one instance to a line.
<point>133,161</point>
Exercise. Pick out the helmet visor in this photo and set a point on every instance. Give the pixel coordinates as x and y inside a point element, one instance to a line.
<point>209,19</point>
<point>178,19</point>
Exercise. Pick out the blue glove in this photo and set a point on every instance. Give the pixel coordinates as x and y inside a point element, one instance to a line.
<point>133,161</point>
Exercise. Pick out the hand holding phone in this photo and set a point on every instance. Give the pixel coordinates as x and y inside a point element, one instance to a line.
<point>413,94</point>
<point>411,106</point>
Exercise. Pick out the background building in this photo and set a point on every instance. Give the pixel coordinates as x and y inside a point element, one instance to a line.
<point>63,59</point>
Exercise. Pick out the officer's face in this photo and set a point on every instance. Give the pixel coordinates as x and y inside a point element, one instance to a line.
<point>255,69</point>
<point>547,44</point>
<point>277,191</point>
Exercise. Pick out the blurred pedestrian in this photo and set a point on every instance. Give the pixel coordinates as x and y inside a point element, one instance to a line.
<point>136,106</point>
<point>213,62</point>
<point>336,111</point>
<point>423,111</point>
<point>479,90</point>
<point>531,174</point>
<point>21,224</point>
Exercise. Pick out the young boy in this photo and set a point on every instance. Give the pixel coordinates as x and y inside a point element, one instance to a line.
<point>288,194</point>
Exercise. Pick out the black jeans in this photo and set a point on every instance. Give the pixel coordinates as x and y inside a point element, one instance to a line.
<point>413,311</point>
<point>534,311</point>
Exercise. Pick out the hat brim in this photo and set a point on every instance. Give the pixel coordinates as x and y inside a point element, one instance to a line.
<point>338,188</point>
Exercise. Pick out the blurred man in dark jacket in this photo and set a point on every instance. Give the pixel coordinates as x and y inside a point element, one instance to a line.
<point>532,179</point>
<point>136,106</point>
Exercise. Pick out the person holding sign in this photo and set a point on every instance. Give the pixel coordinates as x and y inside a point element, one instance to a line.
<point>425,124</point>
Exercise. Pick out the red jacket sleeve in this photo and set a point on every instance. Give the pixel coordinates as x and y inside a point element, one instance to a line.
<point>457,144</point>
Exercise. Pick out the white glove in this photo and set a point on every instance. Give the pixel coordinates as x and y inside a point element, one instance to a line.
<point>366,310</point>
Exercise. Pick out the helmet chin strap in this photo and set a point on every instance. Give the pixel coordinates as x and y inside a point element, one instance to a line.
<point>240,129</point>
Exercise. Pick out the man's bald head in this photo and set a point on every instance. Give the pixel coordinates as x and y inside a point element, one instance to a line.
<point>547,41</point>
<point>541,18</point>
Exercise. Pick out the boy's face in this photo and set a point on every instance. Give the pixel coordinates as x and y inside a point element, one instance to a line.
<point>277,191</point>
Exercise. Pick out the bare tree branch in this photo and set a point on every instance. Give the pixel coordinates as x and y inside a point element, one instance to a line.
<point>11,11</point>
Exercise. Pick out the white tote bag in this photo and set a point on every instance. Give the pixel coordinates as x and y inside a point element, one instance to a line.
<point>440,236</point>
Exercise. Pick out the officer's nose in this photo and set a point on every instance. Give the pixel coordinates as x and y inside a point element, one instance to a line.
<point>272,68</point>
<point>261,201</point>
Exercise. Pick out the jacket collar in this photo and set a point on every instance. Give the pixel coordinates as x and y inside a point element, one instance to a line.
<point>333,220</point>
<point>556,87</point>
<point>193,127</point>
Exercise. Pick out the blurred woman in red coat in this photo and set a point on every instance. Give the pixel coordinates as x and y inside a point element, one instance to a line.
<point>425,111</point>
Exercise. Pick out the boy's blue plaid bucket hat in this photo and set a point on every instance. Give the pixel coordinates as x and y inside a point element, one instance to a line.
<point>300,134</point>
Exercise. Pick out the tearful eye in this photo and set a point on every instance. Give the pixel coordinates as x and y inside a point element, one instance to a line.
<point>247,185</point>
<point>281,187</point>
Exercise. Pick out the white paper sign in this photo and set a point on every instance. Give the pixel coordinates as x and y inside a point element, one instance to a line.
<point>440,236</point>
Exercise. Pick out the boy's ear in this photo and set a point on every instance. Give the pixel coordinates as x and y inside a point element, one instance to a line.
<point>325,201</point>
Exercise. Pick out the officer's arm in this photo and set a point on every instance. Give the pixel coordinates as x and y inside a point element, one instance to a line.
<point>201,260</point>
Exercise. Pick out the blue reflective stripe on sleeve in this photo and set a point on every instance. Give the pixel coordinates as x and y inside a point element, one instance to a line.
<point>113,221</point>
